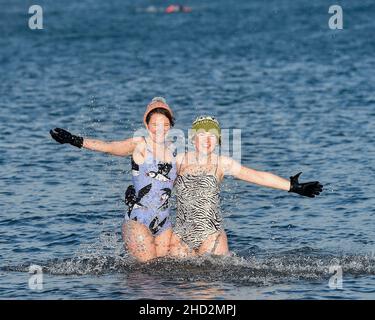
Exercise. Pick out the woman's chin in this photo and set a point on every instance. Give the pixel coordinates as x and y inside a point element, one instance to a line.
<point>205,151</point>
<point>158,140</point>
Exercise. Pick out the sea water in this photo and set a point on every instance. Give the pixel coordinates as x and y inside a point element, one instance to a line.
<point>302,94</point>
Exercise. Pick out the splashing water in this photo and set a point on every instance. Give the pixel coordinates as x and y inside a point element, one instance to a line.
<point>107,256</point>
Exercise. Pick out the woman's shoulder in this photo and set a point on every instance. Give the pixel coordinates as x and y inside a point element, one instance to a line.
<point>229,165</point>
<point>181,156</point>
<point>137,140</point>
<point>139,144</point>
<point>225,163</point>
<point>225,159</point>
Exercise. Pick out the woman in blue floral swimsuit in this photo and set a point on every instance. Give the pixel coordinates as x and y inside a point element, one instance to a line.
<point>147,227</point>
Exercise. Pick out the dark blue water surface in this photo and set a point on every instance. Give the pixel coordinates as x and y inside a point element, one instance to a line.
<point>302,94</point>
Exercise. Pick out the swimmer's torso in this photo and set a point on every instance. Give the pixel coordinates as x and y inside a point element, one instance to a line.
<point>148,197</point>
<point>198,212</point>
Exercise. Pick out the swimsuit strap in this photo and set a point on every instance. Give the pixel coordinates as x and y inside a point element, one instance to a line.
<point>173,151</point>
<point>182,162</point>
<point>147,145</point>
<point>217,164</point>
<point>183,159</point>
<point>149,152</point>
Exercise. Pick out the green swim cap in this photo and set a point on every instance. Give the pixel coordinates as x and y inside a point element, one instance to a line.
<point>208,124</point>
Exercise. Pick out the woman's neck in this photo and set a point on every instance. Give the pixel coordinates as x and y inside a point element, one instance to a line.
<point>203,158</point>
<point>153,143</point>
<point>157,149</point>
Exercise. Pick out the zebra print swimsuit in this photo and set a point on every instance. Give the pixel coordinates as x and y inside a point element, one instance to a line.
<point>198,207</point>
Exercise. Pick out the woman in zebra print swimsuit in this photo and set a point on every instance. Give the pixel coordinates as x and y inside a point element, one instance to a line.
<point>198,204</point>
<point>198,229</point>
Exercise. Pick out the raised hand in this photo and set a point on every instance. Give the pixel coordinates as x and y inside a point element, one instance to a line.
<point>63,136</point>
<point>307,189</point>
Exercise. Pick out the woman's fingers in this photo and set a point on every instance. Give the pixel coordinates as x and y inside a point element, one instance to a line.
<point>62,131</point>
<point>308,189</point>
<point>55,136</point>
<point>313,189</point>
<point>63,136</point>
<point>60,135</point>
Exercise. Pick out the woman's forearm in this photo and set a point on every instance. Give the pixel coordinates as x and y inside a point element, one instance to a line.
<point>117,148</point>
<point>270,180</point>
<point>262,178</point>
<point>96,145</point>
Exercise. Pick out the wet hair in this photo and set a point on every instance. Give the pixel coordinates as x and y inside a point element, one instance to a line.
<point>162,111</point>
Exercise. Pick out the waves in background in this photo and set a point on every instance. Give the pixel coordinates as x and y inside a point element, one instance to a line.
<point>302,94</point>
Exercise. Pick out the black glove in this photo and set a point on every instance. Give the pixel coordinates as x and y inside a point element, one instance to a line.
<point>63,136</point>
<point>308,189</point>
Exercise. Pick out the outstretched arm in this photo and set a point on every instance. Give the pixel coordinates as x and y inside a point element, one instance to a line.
<point>117,148</point>
<point>261,178</point>
<point>267,179</point>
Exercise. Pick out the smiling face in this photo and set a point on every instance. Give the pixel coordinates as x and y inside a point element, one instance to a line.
<point>158,127</point>
<point>205,142</point>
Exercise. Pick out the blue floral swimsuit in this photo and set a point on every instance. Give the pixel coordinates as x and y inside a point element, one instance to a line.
<point>148,197</point>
